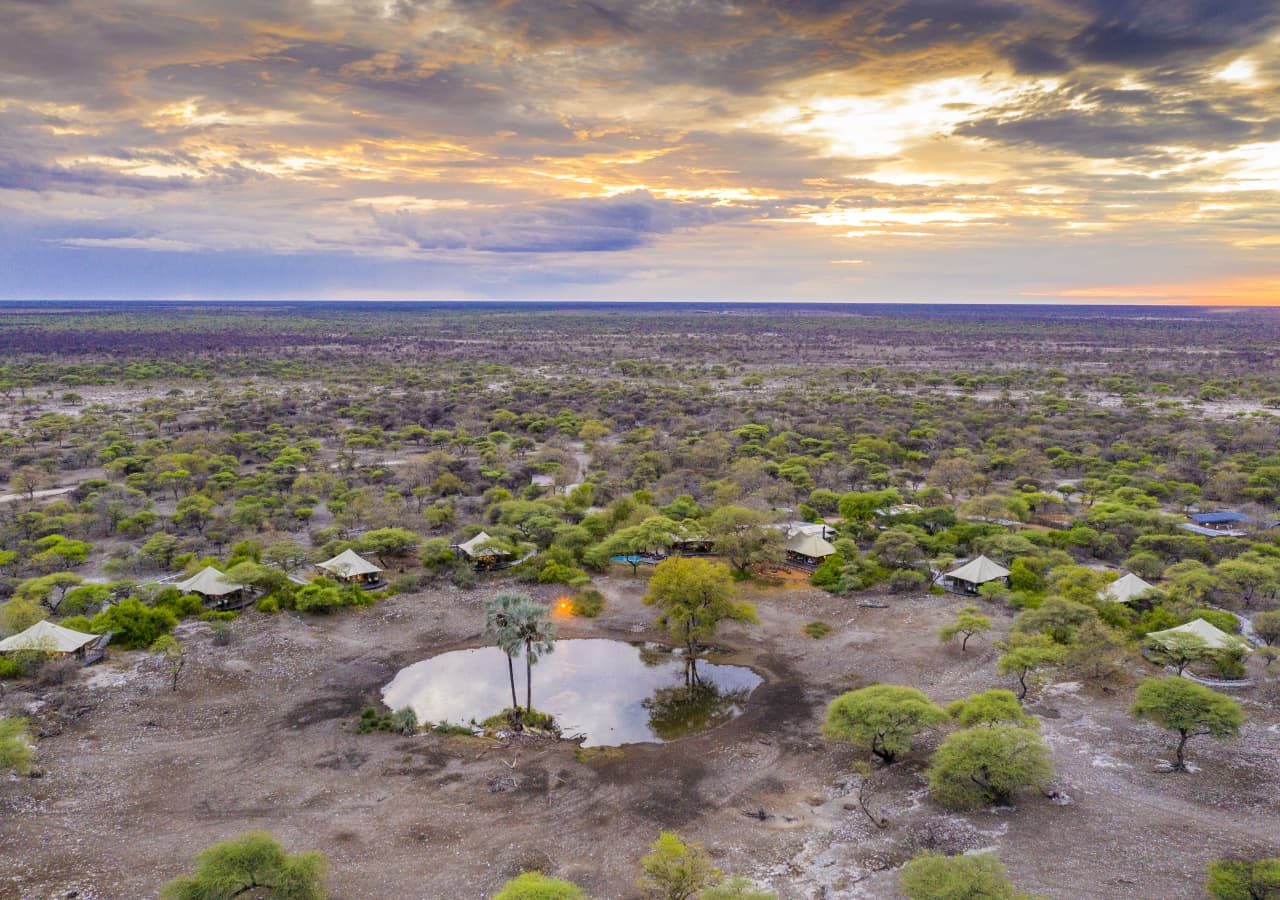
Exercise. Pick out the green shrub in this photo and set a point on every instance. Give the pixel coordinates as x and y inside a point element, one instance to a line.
<point>11,668</point>
<point>402,721</point>
<point>78,623</point>
<point>269,604</point>
<point>536,886</point>
<point>133,624</point>
<point>219,615</point>
<point>15,746</point>
<point>532,718</point>
<point>450,728</point>
<point>181,605</point>
<point>932,876</point>
<point>588,603</point>
<point>1218,618</point>
<point>817,630</point>
<point>905,580</point>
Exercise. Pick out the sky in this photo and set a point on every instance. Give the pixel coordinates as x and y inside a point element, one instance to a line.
<point>1122,151</point>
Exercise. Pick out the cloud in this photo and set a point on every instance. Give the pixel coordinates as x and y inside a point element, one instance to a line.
<point>616,223</point>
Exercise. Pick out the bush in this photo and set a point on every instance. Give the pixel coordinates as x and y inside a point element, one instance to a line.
<point>15,746</point>
<point>245,863</point>
<point>536,886</point>
<point>905,580</point>
<point>588,604</point>
<point>402,721</point>
<point>987,765</point>
<point>932,876</point>
<point>817,630</point>
<point>78,623</point>
<point>11,668</point>
<point>133,624</point>
<point>1218,618</point>
<point>269,604</point>
<point>406,584</point>
<point>1243,879</point>
<point>219,615</point>
<point>181,605</point>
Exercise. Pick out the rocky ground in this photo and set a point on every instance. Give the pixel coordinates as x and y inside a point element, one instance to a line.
<point>137,778</point>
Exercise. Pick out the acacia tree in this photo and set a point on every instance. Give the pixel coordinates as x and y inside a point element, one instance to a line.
<point>693,597</point>
<point>884,716</point>
<point>745,537</point>
<point>1244,879</point>
<point>968,622</point>
<point>987,765</point>
<point>1180,651</point>
<point>1027,654</point>
<point>1188,708</point>
<point>173,654</point>
<point>252,862</point>
<point>931,876</point>
<point>993,707</point>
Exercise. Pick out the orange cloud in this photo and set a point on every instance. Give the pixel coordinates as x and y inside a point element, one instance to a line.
<point>1244,291</point>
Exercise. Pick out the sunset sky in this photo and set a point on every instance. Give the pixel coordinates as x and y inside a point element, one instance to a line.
<point>928,150</point>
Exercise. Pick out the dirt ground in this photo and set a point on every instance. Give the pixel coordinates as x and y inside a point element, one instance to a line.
<point>136,778</point>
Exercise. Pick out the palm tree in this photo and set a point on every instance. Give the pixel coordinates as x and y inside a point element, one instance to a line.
<point>501,617</point>
<point>538,635</point>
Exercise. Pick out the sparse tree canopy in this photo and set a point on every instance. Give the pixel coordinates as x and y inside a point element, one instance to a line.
<point>1189,709</point>
<point>1025,655</point>
<point>968,622</point>
<point>883,717</point>
<point>987,765</point>
<point>693,597</point>
<point>254,860</point>
<point>536,886</point>
<point>744,537</point>
<point>932,876</point>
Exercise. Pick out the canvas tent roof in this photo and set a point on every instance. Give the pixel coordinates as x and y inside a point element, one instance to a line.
<point>349,563</point>
<point>1124,589</point>
<point>45,635</point>
<point>472,547</point>
<point>979,571</point>
<point>209,582</point>
<point>811,545</point>
<point>1216,638</point>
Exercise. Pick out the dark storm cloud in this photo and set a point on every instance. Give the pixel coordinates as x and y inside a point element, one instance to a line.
<point>1153,32</point>
<point>616,223</point>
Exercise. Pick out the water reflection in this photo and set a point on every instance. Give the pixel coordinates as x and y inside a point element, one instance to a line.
<point>611,691</point>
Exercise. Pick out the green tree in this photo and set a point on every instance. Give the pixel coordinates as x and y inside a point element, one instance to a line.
<point>1189,709</point>
<point>536,886</point>
<point>1244,879</point>
<point>994,707</point>
<point>1057,617</point>
<point>15,746</point>
<point>987,765</point>
<point>19,614</point>
<point>1025,655</point>
<point>693,597</point>
<point>976,876</point>
<point>1179,651</point>
<point>745,538</point>
<point>173,654</point>
<point>968,622</point>
<point>676,869</point>
<point>389,542</point>
<point>1266,625</point>
<point>133,624</point>
<point>248,865</point>
<point>885,717</point>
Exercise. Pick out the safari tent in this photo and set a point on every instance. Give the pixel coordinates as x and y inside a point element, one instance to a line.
<point>481,556</point>
<point>352,568</point>
<point>1124,589</point>
<point>1213,637</point>
<point>808,548</point>
<point>215,588</point>
<point>974,574</point>
<point>52,639</point>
